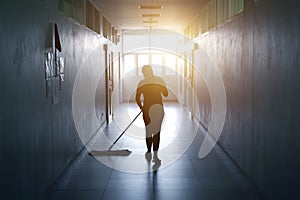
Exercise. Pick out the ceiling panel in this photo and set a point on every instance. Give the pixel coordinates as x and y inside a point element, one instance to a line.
<point>125,14</point>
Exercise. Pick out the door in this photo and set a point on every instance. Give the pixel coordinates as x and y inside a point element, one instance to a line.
<point>188,82</point>
<point>109,79</point>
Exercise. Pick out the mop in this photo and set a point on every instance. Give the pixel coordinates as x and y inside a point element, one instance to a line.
<point>109,152</point>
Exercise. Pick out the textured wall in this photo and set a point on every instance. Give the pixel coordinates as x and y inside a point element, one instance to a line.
<point>277,96</point>
<point>38,139</point>
<point>257,54</point>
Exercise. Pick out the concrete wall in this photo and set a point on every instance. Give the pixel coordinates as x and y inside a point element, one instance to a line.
<point>257,54</point>
<point>38,138</point>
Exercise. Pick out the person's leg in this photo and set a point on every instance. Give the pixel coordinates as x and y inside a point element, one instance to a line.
<point>149,142</point>
<point>156,139</point>
<point>147,121</point>
<point>148,154</point>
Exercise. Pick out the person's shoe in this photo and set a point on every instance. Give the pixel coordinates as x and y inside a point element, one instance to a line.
<point>148,156</point>
<point>155,157</point>
<point>156,160</point>
<point>156,165</point>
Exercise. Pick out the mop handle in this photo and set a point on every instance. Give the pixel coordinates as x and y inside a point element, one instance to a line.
<point>124,131</point>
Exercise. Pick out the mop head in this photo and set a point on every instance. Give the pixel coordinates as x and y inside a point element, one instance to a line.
<point>124,152</point>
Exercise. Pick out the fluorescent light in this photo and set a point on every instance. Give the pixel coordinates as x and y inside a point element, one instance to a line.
<point>150,22</point>
<point>150,15</point>
<point>151,7</point>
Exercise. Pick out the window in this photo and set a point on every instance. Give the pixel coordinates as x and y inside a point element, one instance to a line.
<point>212,14</point>
<point>143,59</point>
<point>223,9</point>
<point>105,22</point>
<point>107,28</point>
<point>129,63</point>
<point>73,8</point>
<point>205,20</point>
<point>186,35</point>
<point>226,9</point>
<point>79,11</point>
<point>170,63</point>
<point>157,64</point>
<point>66,7</point>
<point>92,17</point>
<point>235,7</point>
<point>113,34</point>
<point>195,27</point>
<point>96,21</point>
<point>180,63</point>
<point>219,11</point>
<point>163,64</point>
<point>89,15</point>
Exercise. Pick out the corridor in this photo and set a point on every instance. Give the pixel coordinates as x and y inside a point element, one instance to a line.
<point>75,73</point>
<point>187,177</point>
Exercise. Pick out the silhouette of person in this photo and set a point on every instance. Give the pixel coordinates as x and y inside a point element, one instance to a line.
<point>151,89</point>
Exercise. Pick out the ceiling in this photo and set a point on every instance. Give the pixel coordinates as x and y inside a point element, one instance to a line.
<point>126,14</point>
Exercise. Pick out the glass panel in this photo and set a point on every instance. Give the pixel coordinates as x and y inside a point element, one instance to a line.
<point>79,11</point>
<point>108,30</point>
<point>180,73</point>
<point>220,11</point>
<point>96,21</point>
<point>195,27</point>
<point>143,59</point>
<point>157,64</point>
<point>236,6</point>
<point>205,20</point>
<point>212,14</point>
<point>66,7</point>
<point>105,24</point>
<point>170,63</point>
<point>89,15</point>
<point>226,10</point>
<point>129,64</point>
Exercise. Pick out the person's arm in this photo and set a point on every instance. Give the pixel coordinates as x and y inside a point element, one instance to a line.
<point>164,89</point>
<point>138,98</point>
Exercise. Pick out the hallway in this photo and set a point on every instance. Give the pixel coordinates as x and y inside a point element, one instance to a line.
<point>70,73</point>
<point>188,177</point>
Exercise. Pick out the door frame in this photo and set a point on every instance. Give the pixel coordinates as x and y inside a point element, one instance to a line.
<point>109,76</point>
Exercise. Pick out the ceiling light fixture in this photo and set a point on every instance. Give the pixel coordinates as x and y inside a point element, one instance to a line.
<point>150,15</point>
<point>150,22</point>
<point>159,7</point>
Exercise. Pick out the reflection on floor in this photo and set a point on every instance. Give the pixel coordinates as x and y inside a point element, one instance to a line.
<point>181,176</point>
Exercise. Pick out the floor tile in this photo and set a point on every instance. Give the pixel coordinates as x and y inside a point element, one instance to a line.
<point>130,184</point>
<point>219,183</point>
<point>115,194</point>
<point>77,195</point>
<point>84,184</point>
<point>186,194</point>
<point>186,178</point>
<point>177,183</point>
<point>227,194</point>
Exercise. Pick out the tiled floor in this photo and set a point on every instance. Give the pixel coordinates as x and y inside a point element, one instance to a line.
<point>185,178</point>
